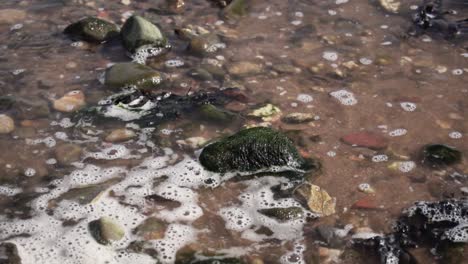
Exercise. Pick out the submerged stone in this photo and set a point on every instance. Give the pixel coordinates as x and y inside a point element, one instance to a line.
<point>236,8</point>
<point>131,74</point>
<point>7,125</point>
<point>92,29</point>
<point>137,32</point>
<point>436,155</point>
<point>365,139</point>
<point>105,230</point>
<point>251,150</point>
<point>70,102</point>
<point>283,214</point>
<point>316,198</point>
<point>151,229</point>
<point>212,113</point>
<point>68,153</point>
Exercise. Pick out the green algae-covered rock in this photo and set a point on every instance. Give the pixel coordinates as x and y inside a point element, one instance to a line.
<point>436,155</point>
<point>92,29</point>
<point>251,150</point>
<point>131,74</point>
<point>137,32</point>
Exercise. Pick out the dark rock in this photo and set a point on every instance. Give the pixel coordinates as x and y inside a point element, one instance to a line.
<point>92,29</point>
<point>137,32</point>
<point>365,139</point>
<point>105,230</point>
<point>131,74</point>
<point>151,229</point>
<point>9,254</point>
<point>437,155</point>
<point>214,114</point>
<point>252,150</point>
<point>283,214</point>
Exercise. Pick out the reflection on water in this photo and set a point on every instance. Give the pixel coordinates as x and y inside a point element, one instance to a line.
<point>100,160</point>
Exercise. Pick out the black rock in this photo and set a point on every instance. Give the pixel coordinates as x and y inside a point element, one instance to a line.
<point>92,29</point>
<point>437,155</point>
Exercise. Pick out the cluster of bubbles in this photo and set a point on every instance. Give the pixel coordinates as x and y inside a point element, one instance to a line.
<point>344,97</point>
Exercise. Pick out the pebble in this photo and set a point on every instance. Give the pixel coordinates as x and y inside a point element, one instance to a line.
<point>70,102</point>
<point>245,68</point>
<point>7,125</point>
<point>297,118</point>
<point>120,135</point>
<point>366,203</point>
<point>68,153</point>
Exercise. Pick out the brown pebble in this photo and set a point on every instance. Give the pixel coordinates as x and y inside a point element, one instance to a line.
<point>7,125</point>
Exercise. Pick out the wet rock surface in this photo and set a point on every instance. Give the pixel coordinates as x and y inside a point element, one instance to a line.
<point>137,32</point>
<point>128,74</point>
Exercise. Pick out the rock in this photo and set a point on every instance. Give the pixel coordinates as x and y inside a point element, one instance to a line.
<point>84,195</point>
<point>7,125</point>
<point>92,29</point>
<point>31,108</point>
<point>283,214</point>
<point>12,16</point>
<point>9,254</point>
<point>392,6</point>
<point>235,106</point>
<point>131,74</point>
<point>366,203</point>
<point>244,68</point>
<point>105,230</point>
<point>70,102</point>
<point>212,113</point>
<point>201,45</point>
<point>67,154</point>
<point>297,118</point>
<point>137,32</point>
<point>317,199</point>
<point>437,155</point>
<point>251,150</point>
<point>236,8</point>
<point>267,112</point>
<point>120,135</point>
<point>365,139</point>
<point>151,229</point>
<point>24,132</point>
<point>200,74</point>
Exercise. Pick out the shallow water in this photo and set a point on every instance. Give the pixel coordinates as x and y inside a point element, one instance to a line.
<point>350,64</point>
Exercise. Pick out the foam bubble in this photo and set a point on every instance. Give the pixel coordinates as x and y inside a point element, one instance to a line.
<point>408,106</point>
<point>398,132</point>
<point>406,166</point>
<point>344,97</point>
<point>380,158</point>
<point>330,55</point>
<point>304,98</point>
<point>455,135</point>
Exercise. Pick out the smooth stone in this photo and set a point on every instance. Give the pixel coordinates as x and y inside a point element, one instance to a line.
<point>67,154</point>
<point>365,139</point>
<point>391,6</point>
<point>92,29</point>
<point>9,253</point>
<point>120,135</point>
<point>105,230</point>
<point>151,229</point>
<point>12,16</point>
<point>297,118</point>
<point>131,74</point>
<point>245,68</point>
<point>285,68</point>
<point>7,124</point>
<point>317,199</point>
<point>366,203</point>
<point>201,45</point>
<point>137,32</point>
<point>70,102</point>
<point>251,150</point>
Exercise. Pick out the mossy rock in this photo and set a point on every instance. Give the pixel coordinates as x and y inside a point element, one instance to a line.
<point>214,114</point>
<point>92,29</point>
<point>131,74</point>
<point>252,150</point>
<point>137,32</point>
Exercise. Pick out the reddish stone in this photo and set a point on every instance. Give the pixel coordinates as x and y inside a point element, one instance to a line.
<point>366,203</point>
<point>366,140</point>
